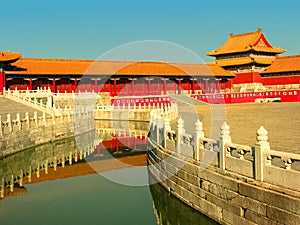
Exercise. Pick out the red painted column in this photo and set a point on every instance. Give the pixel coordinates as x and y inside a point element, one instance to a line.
<point>115,86</point>
<point>134,144</point>
<point>165,86</point>
<point>30,84</point>
<point>219,85</point>
<point>206,87</point>
<point>91,85</point>
<point>70,86</point>
<point>96,85</point>
<point>193,86</point>
<point>179,86</point>
<point>75,85</point>
<point>117,145</point>
<point>54,85</point>
<point>174,85</point>
<point>132,87</point>
<point>149,83</point>
<point>110,87</point>
<point>2,80</point>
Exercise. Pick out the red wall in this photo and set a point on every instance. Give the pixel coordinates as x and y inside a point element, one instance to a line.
<point>281,80</point>
<point>251,77</point>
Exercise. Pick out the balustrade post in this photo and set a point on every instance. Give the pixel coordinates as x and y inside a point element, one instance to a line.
<point>225,139</point>
<point>53,118</point>
<point>70,158</point>
<point>2,188</point>
<point>55,163</point>
<point>180,131</point>
<point>35,118</point>
<point>49,102</point>
<point>63,160</point>
<point>44,119</point>
<point>62,115</point>
<point>167,127</point>
<point>12,183</point>
<point>1,127</point>
<point>27,119</point>
<point>18,120</point>
<point>69,115</point>
<point>262,145</point>
<point>46,167</point>
<point>21,178</point>
<point>9,122</point>
<point>198,134</point>
<point>29,174</point>
<point>38,170</point>
<point>159,126</point>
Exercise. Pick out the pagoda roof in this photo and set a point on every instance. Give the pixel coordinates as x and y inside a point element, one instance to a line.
<point>37,66</point>
<point>245,42</point>
<point>9,57</point>
<point>284,64</point>
<point>244,61</point>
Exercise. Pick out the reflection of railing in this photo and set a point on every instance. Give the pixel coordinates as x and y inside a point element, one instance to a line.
<point>259,162</point>
<point>20,167</point>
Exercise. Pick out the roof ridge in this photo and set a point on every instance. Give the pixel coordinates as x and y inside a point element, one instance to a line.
<point>108,61</point>
<point>259,31</point>
<point>289,56</point>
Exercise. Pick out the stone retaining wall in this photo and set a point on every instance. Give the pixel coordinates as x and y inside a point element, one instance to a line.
<point>19,134</point>
<point>231,183</point>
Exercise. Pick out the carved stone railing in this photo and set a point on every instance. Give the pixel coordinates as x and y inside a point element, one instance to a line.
<point>258,162</point>
<point>30,98</point>
<point>10,126</point>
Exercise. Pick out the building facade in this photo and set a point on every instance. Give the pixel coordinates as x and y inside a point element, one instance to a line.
<point>243,60</point>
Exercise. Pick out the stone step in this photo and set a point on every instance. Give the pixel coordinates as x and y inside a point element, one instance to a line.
<point>184,100</point>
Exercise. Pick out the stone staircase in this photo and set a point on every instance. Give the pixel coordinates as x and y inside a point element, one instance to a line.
<point>184,100</point>
<point>13,107</point>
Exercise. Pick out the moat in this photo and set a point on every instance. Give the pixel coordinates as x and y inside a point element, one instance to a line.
<point>76,194</point>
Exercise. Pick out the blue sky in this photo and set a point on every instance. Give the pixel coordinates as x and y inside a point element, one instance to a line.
<point>88,29</point>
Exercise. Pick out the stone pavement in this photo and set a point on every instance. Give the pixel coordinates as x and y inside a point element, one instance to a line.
<point>12,107</point>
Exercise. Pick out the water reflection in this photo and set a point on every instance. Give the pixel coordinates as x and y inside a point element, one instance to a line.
<point>23,173</point>
<point>110,140</point>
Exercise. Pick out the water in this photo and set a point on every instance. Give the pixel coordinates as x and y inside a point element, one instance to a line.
<point>92,199</point>
<point>76,194</point>
<point>87,199</point>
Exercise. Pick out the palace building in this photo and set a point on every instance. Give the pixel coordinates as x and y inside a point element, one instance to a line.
<point>243,60</point>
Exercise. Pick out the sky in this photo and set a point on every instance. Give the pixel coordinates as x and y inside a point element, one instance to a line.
<point>88,29</point>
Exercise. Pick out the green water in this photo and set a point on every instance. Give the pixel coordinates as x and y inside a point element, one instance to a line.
<point>92,199</point>
<point>87,199</point>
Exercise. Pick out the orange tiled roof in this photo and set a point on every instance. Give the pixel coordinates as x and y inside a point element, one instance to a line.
<point>284,64</point>
<point>245,42</point>
<point>244,60</point>
<point>33,66</point>
<point>9,57</point>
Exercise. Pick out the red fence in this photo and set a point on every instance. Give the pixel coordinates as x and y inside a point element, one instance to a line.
<point>142,100</point>
<point>231,98</point>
